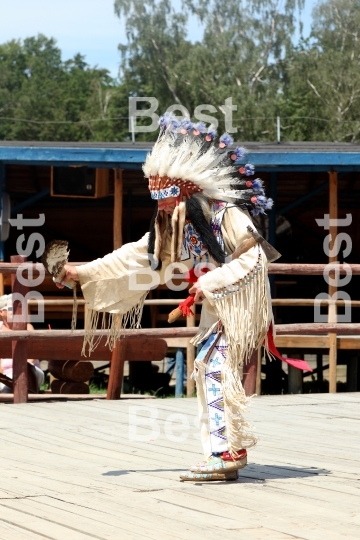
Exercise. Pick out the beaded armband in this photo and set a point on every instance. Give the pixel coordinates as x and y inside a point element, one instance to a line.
<point>219,294</point>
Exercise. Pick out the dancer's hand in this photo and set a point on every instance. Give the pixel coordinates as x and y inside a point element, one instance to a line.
<point>196,289</point>
<point>71,273</point>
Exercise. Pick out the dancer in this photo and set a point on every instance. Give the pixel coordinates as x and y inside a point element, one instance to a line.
<point>202,213</point>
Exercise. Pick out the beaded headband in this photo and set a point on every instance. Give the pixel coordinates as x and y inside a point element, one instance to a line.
<point>162,187</point>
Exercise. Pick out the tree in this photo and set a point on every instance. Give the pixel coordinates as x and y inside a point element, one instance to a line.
<point>323,76</point>
<point>44,98</point>
<point>239,56</point>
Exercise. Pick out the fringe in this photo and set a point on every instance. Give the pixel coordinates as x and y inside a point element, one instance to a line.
<point>203,334</point>
<point>237,433</point>
<point>237,429</point>
<point>114,323</point>
<point>245,315</point>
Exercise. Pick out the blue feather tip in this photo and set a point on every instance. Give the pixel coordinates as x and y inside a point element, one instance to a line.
<point>167,120</point>
<point>211,132</point>
<point>200,127</point>
<point>238,154</point>
<point>226,139</point>
<point>261,204</point>
<point>186,124</point>
<point>257,184</point>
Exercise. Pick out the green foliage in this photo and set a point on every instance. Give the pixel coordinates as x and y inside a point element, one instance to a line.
<point>59,98</point>
<point>239,56</point>
<point>323,76</point>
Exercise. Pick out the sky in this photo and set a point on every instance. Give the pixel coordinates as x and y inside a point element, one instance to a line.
<point>88,27</point>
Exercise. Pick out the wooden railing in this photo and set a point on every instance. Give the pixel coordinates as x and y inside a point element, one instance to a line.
<point>19,337</point>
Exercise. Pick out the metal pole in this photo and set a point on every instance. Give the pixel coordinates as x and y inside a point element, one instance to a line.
<point>132,129</point>
<point>278,128</point>
<point>179,370</point>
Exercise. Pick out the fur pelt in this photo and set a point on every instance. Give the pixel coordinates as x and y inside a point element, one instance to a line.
<point>158,226</point>
<point>177,223</point>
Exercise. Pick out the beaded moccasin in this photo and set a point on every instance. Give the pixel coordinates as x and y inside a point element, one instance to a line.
<point>206,477</point>
<point>222,464</point>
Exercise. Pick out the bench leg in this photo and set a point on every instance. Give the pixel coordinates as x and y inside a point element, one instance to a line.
<point>118,357</point>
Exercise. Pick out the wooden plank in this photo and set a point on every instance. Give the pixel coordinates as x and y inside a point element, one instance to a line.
<point>10,531</point>
<point>290,342</point>
<point>118,358</point>
<point>316,342</point>
<point>76,473</point>
<point>306,269</point>
<point>274,268</point>
<point>56,304</point>
<point>295,302</point>
<point>317,328</point>
<point>19,348</point>
<point>41,335</point>
<point>348,342</point>
<point>63,349</point>
<point>181,332</point>
<point>177,342</point>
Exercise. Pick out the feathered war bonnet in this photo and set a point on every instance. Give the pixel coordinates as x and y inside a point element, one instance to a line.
<point>187,162</point>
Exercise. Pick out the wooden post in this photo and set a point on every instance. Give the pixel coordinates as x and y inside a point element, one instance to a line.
<point>249,375</point>
<point>332,362</point>
<point>190,358</point>
<point>332,313</point>
<point>295,378</point>
<point>118,208</point>
<point>19,348</point>
<point>258,372</point>
<point>352,374</point>
<point>118,358</point>
<point>319,367</point>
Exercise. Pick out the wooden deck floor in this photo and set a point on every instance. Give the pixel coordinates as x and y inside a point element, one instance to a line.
<point>70,472</point>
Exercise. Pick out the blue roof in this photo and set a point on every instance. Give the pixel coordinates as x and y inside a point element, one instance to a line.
<point>265,156</point>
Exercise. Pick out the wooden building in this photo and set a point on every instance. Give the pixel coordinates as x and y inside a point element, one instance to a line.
<point>306,181</point>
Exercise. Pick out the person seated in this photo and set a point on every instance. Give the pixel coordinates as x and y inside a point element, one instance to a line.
<point>35,373</point>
